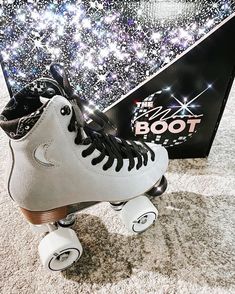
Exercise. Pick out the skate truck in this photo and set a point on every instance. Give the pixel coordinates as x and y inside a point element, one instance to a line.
<point>60,164</point>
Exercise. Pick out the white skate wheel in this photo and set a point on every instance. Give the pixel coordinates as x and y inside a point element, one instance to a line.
<point>139,214</point>
<point>41,229</point>
<point>60,249</point>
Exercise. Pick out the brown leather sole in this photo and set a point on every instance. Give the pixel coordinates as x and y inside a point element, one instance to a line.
<point>42,217</point>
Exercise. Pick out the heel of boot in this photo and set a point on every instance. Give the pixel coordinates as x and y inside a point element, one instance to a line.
<point>42,217</point>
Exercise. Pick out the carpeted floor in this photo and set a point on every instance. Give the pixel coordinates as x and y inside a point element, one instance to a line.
<point>191,249</point>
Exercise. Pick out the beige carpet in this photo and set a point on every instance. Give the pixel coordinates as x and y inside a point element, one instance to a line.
<point>191,249</point>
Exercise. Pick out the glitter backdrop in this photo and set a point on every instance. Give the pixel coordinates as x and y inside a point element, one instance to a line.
<point>108,46</point>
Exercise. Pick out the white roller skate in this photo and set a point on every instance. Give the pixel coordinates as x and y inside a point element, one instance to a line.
<point>60,166</point>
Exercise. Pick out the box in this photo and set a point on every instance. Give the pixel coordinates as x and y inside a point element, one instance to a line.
<point>181,105</point>
<point>161,70</point>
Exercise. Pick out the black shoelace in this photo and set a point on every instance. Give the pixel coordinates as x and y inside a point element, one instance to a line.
<point>110,146</point>
<point>107,145</point>
<point>99,118</point>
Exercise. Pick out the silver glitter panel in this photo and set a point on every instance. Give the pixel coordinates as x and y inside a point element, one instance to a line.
<point>108,46</point>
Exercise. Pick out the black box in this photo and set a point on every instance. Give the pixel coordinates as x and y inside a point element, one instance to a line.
<point>161,70</point>
<point>182,104</point>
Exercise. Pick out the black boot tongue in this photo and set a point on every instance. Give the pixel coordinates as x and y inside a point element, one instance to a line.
<point>78,114</point>
<point>59,74</point>
<point>100,120</point>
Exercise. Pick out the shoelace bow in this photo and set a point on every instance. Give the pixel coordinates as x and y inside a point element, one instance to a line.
<point>111,146</point>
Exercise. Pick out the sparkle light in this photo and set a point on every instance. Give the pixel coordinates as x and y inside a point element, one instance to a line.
<point>86,23</point>
<point>156,36</point>
<point>104,52</point>
<point>5,56</point>
<point>166,89</point>
<point>209,23</point>
<point>140,54</point>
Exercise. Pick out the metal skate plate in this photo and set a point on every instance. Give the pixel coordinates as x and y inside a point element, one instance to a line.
<point>81,206</point>
<point>158,189</point>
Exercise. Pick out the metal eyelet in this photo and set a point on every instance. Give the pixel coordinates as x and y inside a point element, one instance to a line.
<point>65,110</point>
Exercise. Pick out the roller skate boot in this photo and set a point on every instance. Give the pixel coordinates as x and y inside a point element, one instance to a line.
<point>59,165</point>
<point>94,119</point>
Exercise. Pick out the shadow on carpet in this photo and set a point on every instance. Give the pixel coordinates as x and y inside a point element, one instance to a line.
<point>191,241</point>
